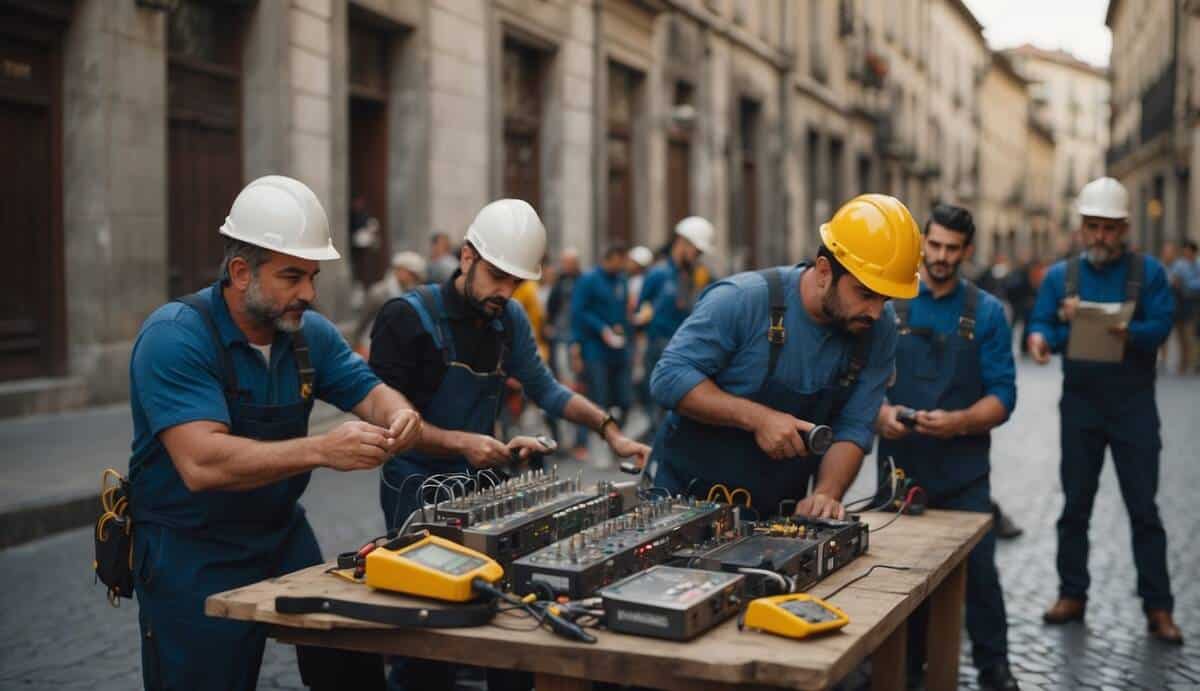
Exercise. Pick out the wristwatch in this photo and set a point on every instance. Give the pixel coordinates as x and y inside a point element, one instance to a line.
<point>607,419</point>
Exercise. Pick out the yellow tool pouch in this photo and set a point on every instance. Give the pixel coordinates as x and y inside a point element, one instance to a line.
<point>114,538</point>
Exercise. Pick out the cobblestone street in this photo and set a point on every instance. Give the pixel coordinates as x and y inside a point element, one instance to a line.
<point>59,633</point>
<point>1110,650</point>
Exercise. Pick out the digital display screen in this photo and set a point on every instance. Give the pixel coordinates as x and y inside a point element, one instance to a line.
<point>445,560</point>
<point>809,611</point>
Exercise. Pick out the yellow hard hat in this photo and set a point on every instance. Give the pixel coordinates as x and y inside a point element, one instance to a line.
<point>876,239</point>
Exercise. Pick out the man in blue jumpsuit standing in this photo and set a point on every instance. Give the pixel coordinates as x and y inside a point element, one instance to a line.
<point>668,293</point>
<point>954,368</point>
<point>449,348</point>
<point>600,322</point>
<point>221,386</point>
<point>1108,404</point>
<point>767,355</point>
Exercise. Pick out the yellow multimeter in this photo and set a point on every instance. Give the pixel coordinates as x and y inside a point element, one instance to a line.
<point>795,615</point>
<point>430,567</point>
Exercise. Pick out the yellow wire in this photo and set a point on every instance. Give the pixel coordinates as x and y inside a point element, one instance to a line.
<point>724,489</point>
<point>743,490</point>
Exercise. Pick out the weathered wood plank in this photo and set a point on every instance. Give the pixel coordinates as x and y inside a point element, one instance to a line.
<point>932,545</point>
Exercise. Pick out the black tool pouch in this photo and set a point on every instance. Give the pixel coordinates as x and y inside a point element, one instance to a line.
<point>114,538</point>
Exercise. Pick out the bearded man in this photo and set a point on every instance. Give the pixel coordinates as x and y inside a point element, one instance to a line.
<point>765,356</point>
<point>222,383</point>
<point>1108,404</point>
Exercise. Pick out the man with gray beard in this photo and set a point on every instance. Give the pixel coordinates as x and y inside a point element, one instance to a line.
<point>1108,404</point>
<point>222,383</point>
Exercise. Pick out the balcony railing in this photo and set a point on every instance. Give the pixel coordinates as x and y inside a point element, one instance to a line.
<point>1158,104</point>
<point>1117,152</point>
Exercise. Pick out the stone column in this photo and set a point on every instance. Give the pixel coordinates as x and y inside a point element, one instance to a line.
<point>114,186</point>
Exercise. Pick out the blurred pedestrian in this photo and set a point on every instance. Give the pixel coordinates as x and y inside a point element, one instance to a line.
<point>408,271</point>
<point>1020,288</point>
<point>640,259</point>
<point>442,259</point>
<point>669,294</point>
<point>1185,278</point>
<point>365,242</point>
<point>558,308</point>
<point>600,324</point>
<point>1109,404</point>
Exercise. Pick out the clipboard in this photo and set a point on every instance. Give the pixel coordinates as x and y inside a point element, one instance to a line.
<point>1090,339</point>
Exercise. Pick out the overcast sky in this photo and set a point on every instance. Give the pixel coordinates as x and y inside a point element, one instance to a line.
<point>1076,26</point>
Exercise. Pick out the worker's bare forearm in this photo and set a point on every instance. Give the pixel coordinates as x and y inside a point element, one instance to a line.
<point>381,406</point>
<point>222,461</point>
<point>707,403</point>
<point>986,413</point>
<point>581,411</point>
<point>436,441</point>
<point>839,467</point>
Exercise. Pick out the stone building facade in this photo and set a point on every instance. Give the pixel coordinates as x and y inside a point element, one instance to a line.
<point>1073,98</point>
<point>1004,144</point>
<point>615,118</point>
<point>1155,125</point>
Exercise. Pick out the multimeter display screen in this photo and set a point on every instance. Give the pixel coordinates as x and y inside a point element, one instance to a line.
<point>809,611</point>
<point>445,560</point>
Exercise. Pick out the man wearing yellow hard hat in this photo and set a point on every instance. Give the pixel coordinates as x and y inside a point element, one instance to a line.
<point>767,355</point>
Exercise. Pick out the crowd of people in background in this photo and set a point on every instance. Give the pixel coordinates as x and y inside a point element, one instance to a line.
<point>599,330</point>
<point>602,330</point>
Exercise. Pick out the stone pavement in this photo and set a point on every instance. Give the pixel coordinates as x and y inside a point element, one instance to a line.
<point>52,465</point>
<point>58,632</point>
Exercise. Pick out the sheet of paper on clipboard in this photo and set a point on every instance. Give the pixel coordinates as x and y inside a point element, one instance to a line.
<point>1091,339</point>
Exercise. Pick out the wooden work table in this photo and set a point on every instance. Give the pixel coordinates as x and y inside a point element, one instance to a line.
<point>934,545</point>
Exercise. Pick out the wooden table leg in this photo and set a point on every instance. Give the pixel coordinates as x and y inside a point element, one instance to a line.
<point>944,639</point>
<point>552,682</point>
<point>889,662</point>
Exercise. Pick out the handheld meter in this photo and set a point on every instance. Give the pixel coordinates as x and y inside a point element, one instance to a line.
<point>795,615</point>
<point>430,567</point>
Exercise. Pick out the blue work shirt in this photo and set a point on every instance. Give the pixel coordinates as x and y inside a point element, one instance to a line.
<point>992,335</point>
<point>1152,317</point>
<point>661,291</point>
<point>725,340</point>
<point>1187,273</point>
<point>599,301</point>
<point>175,375</point>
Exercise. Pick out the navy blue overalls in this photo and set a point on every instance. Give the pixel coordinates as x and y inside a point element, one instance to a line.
<point>466,401</point>
<point>238,538</point>
<point>1112,404</point>
<point>942,371</point>
<point>694,456</point>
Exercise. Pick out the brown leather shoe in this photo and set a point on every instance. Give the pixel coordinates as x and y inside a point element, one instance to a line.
<point>1162,626</point>
<point>1065,610</point>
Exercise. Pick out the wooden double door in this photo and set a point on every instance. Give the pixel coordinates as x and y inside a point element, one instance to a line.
<point>32,321</point>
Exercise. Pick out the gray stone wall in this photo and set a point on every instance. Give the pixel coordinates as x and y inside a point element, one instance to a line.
<point>114,186</point>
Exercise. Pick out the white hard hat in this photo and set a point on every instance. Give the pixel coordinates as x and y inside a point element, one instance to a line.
<point>410,260</point>
<point>697,231</point>
<point>510,236</point>
<point>1105,198</point>
<point>642,256</point>
<point>281,214</point>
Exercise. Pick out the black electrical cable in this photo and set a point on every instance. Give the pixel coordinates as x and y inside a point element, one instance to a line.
<point>863,575</point>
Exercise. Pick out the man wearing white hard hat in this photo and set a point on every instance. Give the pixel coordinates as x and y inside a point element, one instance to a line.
<point>222,383</point>
<point>449,348</point>
<point>669,292</point>
<point>1108,404</point>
